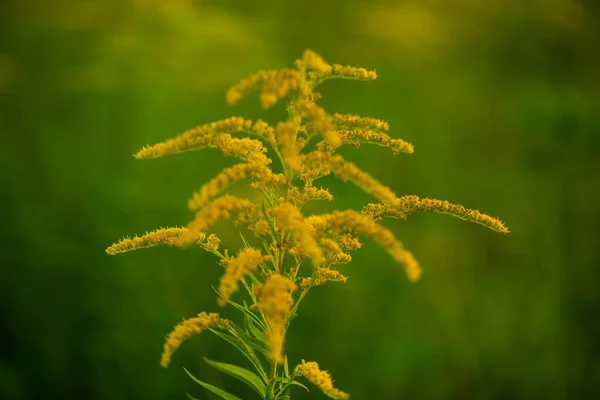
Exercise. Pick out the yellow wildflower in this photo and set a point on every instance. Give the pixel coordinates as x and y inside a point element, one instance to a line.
<point>321,379</point>
<point>336,255</point>
<point>289,218</point>
<point>322,275</point>
<point>259,172</point>
<point>313,61</point>
<point>273,85</point>
<point>188,328</point>
<point>260,228</point>
<point>346,170</point>
<point>199,137</point>
<point>286,132</point>
<point>264,131</point>
<point>349,121</point>
<point>356,137</point>
<point>401,207</point>
<point>349,242</point>
<point>246,261</point>
<point>168,236</point>
<point>220,208</point>
<point>341,71</point>
<point>319,121</point>
<point>350,221</point>
<point>212,242</point>
<point>275,301</point>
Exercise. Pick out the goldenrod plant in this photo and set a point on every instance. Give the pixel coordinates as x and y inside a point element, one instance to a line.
<point>295,252</point>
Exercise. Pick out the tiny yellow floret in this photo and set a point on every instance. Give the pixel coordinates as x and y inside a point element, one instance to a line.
<point>188,328</point>
<point>321,379</point>
<point>247,261</point>
<point>275,301</point>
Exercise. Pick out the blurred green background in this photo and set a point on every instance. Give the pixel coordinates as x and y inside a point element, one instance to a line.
<point>500,99</point>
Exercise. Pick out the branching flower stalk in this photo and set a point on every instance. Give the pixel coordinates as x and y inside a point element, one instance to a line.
<point>291,253</point>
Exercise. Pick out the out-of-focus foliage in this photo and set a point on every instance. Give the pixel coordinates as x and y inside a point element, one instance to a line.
<point>500,99</point>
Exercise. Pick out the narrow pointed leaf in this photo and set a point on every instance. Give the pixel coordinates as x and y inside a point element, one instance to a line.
<point>254,331</point>
<point>250,341</point>
<point>296,383</point>
<point>242,309</point>
<point>286,368</point>
<point>241,374</point>
<point>248,353</point>
<point>219,392</point>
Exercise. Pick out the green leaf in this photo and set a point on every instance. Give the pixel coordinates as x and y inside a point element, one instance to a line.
<point>244,240</point>
<point>254,331</point>
<point>270,394</point>
<point>223,394</point>
<point>248,353</point>
<point>299,384</point>
<point>241,374</point>
<point>286,369</point>
<point>242,309</point>
<point>250,341</point>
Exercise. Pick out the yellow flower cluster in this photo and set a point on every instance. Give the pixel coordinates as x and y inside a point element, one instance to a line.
<point>322,275</point>
<point>200,137</point>
<point>314,61</point>
<point>247,261</point>
<point>356,137</point>
<point>168,236</point>
<point>350,221</point>
<point>349,121</point>
<point>188,328</point>
<point>336,254</point>
<point>308,193</point>
<point>349,242</point>
<point>257,171</point>
<point>321,379</point>
<point>275,301</point>
<point>289,218</point>
<point>286,132</point>
<point>401,207</point>
<point>273,85</point>
<point>219,208</point>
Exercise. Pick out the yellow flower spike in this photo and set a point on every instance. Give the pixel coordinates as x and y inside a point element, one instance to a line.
<point>168,236</point>
<point>219,208</point>
<point>350,221</point>
<point>321,379</point>
<point>212,242</point>
<point>289,218</point>
<point>275,301</point>
<point>285,133</point>
<point>346,170</point>
<point>313,61</point>
<point>323,275</point>
<point>401,207</point>
<point>357,137</point>
<point>336,255</point>
<point>230,175</point>
<point>264,131</point>
<point>348,72</point>
<point>319,121</point>
<point>200,137</point>
<point>188,328</point>
<point>349,242</point>
<point>247,260</point>
<point>349,121</point>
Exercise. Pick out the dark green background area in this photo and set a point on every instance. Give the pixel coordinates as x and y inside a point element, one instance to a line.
<point>500,99</point>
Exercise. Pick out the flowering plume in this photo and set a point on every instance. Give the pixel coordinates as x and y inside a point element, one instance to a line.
<point>276,278</point>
